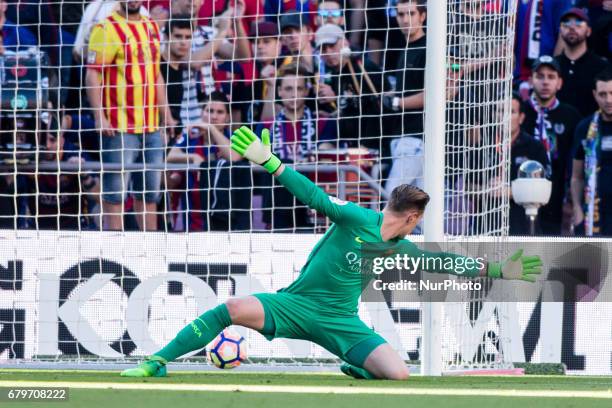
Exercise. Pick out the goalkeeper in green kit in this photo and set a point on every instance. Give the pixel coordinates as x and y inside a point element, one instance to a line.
<point>321,305</point>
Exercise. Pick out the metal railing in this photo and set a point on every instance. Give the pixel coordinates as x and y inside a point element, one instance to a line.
<point>65,167</point>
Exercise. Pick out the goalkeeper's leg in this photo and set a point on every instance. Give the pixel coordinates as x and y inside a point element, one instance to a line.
<point>382,363</point>
<point>366,353</point>
<point>247,312</point>
<point>385,363</point>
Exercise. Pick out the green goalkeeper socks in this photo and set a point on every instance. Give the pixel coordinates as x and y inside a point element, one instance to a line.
<point>197,334</point>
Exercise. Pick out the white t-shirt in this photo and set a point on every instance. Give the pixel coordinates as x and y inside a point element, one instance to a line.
<point>202,35</point>
<point>191,111</point>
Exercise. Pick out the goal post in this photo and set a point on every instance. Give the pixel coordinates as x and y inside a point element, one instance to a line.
<point>466,179</point>
<point>433,171</point>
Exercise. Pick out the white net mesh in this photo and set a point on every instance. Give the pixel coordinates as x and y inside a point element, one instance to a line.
<point>479,48</point>
<point>339,85</point>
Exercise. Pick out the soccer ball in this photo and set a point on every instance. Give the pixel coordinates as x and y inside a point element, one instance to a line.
<point>228,349</point>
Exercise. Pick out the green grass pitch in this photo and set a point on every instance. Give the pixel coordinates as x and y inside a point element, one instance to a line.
<point>97,389</point>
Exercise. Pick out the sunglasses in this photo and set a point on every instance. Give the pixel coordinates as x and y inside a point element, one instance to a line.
<point>330,13</point>
<point>572,23</point>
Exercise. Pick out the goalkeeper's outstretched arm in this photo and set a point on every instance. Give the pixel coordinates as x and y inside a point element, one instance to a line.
<point>515,267</point>
<point>246,143</point>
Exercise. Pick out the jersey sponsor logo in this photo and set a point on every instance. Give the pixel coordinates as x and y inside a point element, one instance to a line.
<point>359,240</point>
<point>354,261</point>
<point>337,201</point>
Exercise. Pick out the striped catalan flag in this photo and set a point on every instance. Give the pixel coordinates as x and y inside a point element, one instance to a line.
<point>127,55</point>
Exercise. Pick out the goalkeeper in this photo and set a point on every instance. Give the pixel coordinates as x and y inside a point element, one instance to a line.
<point>321,305</point>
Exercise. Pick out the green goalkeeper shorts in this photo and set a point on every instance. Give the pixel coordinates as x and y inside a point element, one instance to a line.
<point>293,316</point>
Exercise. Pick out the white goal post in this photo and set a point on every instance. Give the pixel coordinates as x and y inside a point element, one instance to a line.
<point>449,346</point>
<point>433,171</point>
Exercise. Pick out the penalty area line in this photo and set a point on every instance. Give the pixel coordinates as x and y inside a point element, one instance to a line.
<point>292,389</point>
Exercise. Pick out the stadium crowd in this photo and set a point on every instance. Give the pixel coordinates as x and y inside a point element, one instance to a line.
<point>152,90</point>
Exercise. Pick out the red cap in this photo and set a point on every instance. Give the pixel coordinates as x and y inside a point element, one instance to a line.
<point>576,12</point>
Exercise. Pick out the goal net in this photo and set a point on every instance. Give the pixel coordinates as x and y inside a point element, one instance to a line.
<point>115,118</point>
<point>472,333</point>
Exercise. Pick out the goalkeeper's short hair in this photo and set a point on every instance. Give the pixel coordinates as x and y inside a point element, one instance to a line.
<point>408,197</point>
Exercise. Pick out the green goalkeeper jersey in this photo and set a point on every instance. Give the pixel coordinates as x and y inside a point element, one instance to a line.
<point>332,273</point>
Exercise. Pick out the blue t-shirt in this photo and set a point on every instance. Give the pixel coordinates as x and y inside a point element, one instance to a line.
<point>15,37</point>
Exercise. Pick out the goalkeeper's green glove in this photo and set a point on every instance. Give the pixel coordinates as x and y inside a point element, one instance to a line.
<point>516,267</point>
<point>246,143</point>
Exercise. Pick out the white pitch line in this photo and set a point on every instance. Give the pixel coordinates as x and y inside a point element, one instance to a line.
<point>292,389</point>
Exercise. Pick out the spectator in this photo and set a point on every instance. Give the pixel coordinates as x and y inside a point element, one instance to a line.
<point>253,10</point>
<point>552,123</point>
<point>212,127</point>
<point>212,41</point>
<point>523,147</point>
<point>350,89</point>
<point>15,186</point>
<point>183,84</point>
<point>592,166</point>
<point>297,39</point>
<point>477,41</point>
<point>296,133</point>
<point>13,36</point>
<point>159,11</point>
<point>266,49</point>
<point>60,201</point>
<point>407,151</point>
<point>69,13</point>
<point>579,65</point>
<point>232,78</point>
<point>218,197</point>
<point>330,12</point>
<point>601,39</point>
<point>383,36</point>
<point>215,45</point>
<point>296,36</point>
<point>537,31</point>
<point>95,12</point>
<point>275,9</point>
<point>117,83</point>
